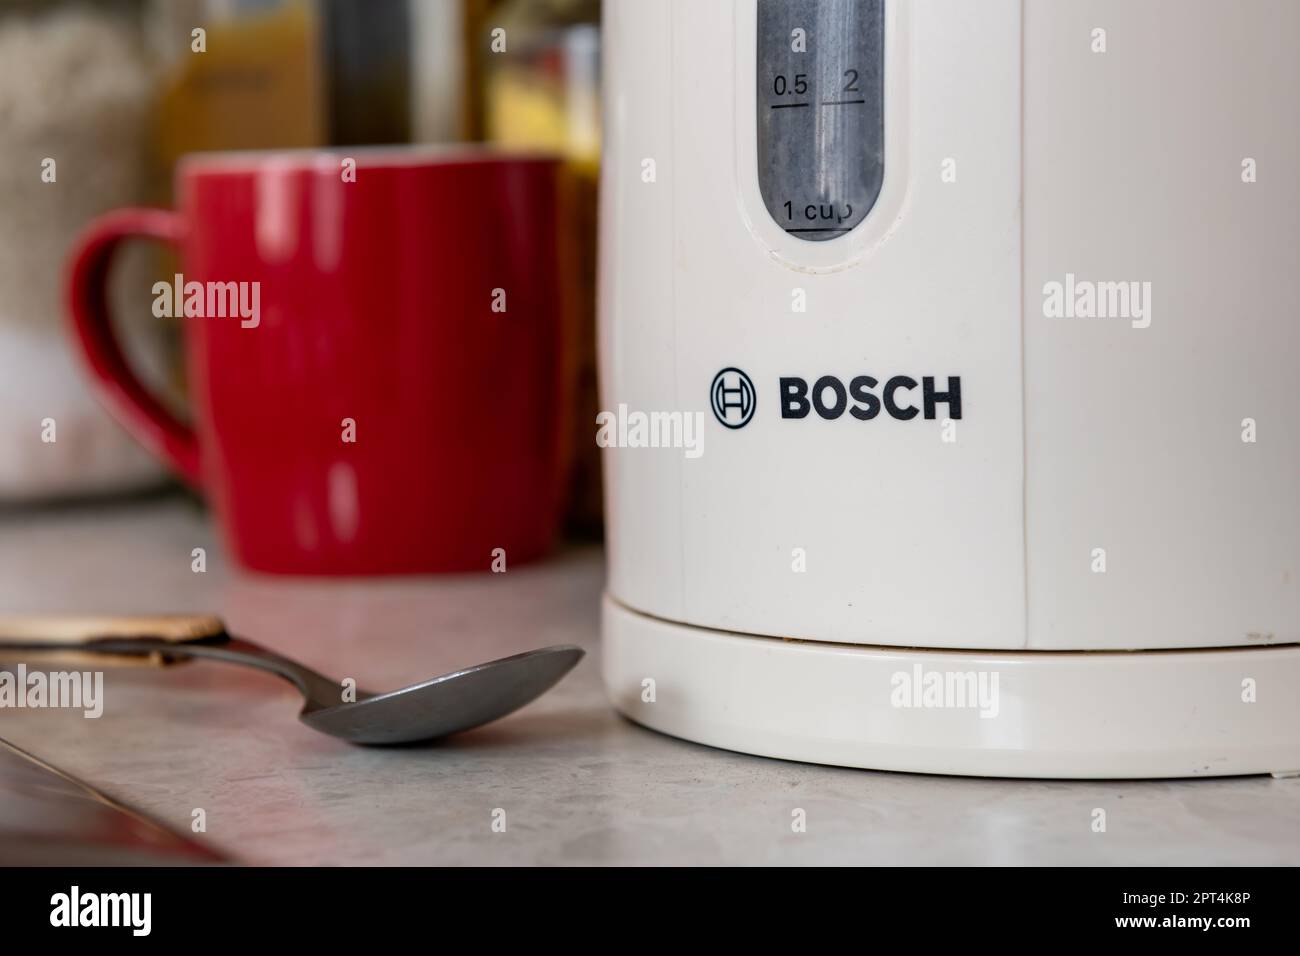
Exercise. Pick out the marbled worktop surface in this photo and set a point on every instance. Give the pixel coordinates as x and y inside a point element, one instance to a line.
<point>579,784</point>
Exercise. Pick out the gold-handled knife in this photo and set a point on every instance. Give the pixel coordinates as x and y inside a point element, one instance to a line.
<point>57,630</point>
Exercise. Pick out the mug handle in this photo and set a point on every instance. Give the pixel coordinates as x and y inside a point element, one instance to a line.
<point>137,409</point>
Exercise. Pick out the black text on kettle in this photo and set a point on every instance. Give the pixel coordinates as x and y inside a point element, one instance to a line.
<point>830,398</point>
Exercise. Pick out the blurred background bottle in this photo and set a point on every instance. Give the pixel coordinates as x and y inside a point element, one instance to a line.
<point>76,92</point>
<point>542,91</point>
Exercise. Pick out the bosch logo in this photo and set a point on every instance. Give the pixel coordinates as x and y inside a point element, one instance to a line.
<point>733,398</point>
<point>863,397</point>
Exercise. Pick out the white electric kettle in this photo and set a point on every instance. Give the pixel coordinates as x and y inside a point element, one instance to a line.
<point>952,350</point>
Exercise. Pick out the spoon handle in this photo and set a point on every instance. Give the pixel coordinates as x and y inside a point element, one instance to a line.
<point>63,639</point>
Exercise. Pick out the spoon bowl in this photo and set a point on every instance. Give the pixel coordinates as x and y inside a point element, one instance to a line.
<point>448,704</point>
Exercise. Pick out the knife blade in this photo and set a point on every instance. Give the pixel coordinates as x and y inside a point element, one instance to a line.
<point>49,818</point>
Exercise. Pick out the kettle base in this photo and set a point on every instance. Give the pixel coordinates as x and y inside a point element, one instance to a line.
<point>1053,714</point>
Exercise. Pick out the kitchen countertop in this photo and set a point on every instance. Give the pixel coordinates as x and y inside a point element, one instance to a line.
<point>578,783</point>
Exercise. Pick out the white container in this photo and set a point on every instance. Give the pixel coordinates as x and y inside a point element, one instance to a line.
<point>1122,478</point>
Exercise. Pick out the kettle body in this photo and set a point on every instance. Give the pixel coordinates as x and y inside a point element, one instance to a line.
<point>983,314</point>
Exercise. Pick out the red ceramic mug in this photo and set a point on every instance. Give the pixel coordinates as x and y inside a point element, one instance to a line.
<point>374,354</point>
